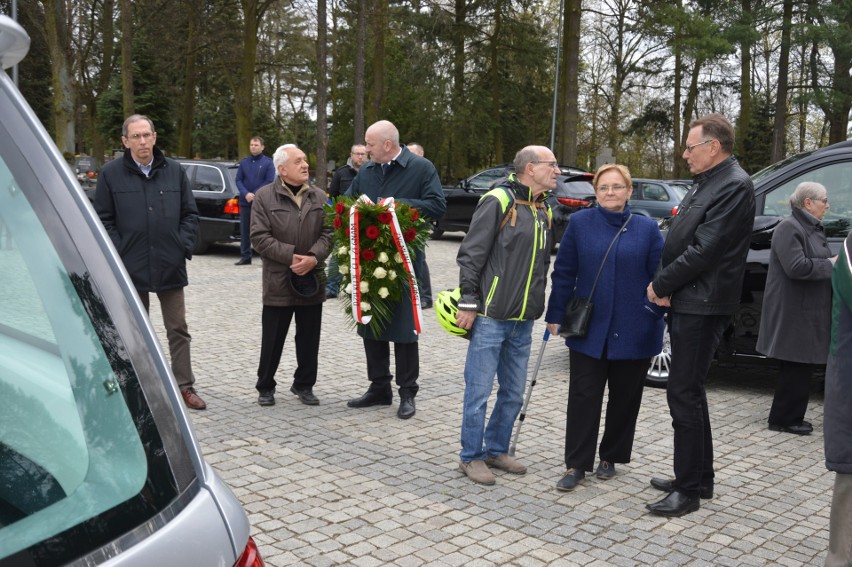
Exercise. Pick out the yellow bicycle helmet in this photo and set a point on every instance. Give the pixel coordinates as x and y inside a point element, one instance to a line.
<point>446,309</point>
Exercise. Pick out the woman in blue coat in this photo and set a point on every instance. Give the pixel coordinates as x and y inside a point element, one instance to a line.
<point>624,332</point>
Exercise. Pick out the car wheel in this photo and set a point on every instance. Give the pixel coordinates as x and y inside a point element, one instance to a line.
<point>658,372</point>
<point>201,246</point>
<point>437,231</point>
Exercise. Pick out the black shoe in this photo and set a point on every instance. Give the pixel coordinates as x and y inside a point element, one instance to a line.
<point>243,262</point>
<point>803,428</point>
<point>568,482</point>
<point>426,305</point>
<point>406,408</point>
<point>371,399</point>
<point>605,470</point>
<point>667,485</point>
<point>675,505</point>
<point>307,397</point>
<point>331,294</point>
<point>266,398</point>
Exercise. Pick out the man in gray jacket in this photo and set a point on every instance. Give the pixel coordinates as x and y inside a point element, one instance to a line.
<point>146,206</point>
<point>503,263</point>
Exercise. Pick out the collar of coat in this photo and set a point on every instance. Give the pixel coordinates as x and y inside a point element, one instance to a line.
<point>130,163</point>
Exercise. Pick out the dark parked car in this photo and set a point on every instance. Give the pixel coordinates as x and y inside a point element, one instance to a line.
<point>98,461</point>
<point>831,166</point>
<point>656,199</point>
<point>573,191</point>
<point>214,185</point>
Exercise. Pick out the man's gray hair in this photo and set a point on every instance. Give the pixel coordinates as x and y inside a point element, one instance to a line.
<point>807,190</point>
<point>281,156</point>
<point>524,156</point>
<point>135,118</point>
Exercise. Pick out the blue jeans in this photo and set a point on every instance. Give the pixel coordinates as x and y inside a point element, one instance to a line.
<point>500,348</point>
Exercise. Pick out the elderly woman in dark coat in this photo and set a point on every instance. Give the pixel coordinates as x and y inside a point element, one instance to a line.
<point>625,330</point>
<point>795,323</point>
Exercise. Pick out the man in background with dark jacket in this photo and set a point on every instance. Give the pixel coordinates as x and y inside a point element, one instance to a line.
<point>340,182</point>
<point>503,275</point>
<point>254,172</point>
<point>146,205</point>
<point>837,418</point>
<point>700,278</point>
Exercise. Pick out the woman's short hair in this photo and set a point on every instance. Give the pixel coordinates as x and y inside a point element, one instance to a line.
<point>806,190</point>
<point>622,169</point>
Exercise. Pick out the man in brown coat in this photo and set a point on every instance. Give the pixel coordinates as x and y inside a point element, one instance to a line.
<point>288,231</point>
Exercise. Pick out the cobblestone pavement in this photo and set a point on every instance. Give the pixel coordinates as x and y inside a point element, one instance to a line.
<point>330,485</point>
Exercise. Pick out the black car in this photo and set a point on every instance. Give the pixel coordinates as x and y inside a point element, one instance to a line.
<point>573,192</point>
<point>214,185</point>
<point>830,166</point>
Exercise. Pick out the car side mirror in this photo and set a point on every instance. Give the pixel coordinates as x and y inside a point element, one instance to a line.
<point>761,234</point>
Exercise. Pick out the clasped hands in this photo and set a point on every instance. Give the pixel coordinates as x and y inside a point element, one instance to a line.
<point>302,265</point>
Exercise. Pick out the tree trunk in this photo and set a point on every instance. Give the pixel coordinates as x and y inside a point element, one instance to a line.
<point>678,169</point>
<point>322,95</point>
<point>128,104</point>
<point>494,82</point>
<point>458,138</point>
<point>245,84</point>
<point>187,115</point>
<point>377,89</point>
<point>779,129</point>
<point>744,119</point>
<point>58,44</point>
<point>570,82</point>
<point>358,126</point>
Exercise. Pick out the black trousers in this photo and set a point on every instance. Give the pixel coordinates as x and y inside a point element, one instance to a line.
<point>694,342</point>
<point>407,358</point>
<point>587,380</point>
<point>791,393</point>
<point>275,324</point>
<point>245,231</point>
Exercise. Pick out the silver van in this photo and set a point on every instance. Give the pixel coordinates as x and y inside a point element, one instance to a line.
<point>98,461</point>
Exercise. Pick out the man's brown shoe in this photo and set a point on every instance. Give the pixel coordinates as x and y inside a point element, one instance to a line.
<point>506,463</point>
<point>478,472</point>
<point>192,400</point>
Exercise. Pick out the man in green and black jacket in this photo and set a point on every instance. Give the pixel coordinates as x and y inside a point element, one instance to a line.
<point>503,261</point>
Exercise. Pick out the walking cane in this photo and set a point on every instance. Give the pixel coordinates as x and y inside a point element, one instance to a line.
<point>523,414</point>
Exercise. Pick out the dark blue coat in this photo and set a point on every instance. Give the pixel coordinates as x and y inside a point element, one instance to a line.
<point>620,320</point>
<point>253,173</point>
<point>412,180</point>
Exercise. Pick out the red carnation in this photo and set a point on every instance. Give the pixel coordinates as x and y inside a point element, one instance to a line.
<point>414,214</point>
<point>338,222</point>
<point>385,218</point>
<point>372,232</point>
<point>410,235</point>
<point>367,254</point>
<point>339,208</point>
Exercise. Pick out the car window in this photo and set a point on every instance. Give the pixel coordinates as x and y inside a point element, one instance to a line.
<point>654,192</point>
<point>484,180</point>
<point>69,447</point>
<point>208,178</point>
<point>837,178</point>
<point>680,191</point>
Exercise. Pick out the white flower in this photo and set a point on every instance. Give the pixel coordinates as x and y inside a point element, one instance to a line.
<point>348,289</point>
<point>343,251</point>
<point>383,257</point>
<point>365,286</point>
<point>343,268</point>
<point>392,275</point>
<point>365,306</point>
<point>380,273</point>
<point>397,258</point>
<point>383,292</point>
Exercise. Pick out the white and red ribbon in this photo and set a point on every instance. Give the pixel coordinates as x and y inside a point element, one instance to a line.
<point>355,261</point>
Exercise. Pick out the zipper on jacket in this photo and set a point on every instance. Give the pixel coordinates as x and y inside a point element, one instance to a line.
<point>491,293</point>
<point>537,235</point>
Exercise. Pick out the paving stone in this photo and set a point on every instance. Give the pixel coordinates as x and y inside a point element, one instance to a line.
<point>330,485</point>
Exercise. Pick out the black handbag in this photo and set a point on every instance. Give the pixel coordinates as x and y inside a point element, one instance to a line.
<point>575,322</point>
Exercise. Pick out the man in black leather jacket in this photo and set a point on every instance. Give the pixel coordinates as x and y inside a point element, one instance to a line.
<point>700,278</point>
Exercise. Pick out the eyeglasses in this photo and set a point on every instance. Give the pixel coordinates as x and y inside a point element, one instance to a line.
<point>552,164</point>
<point>614,188</point>
<point>688,149</point>
<point>359,153</point>
<point>823,200</point>
<point>145,136</point>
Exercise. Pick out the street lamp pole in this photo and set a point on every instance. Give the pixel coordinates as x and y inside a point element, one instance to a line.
<point>556,79</point>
